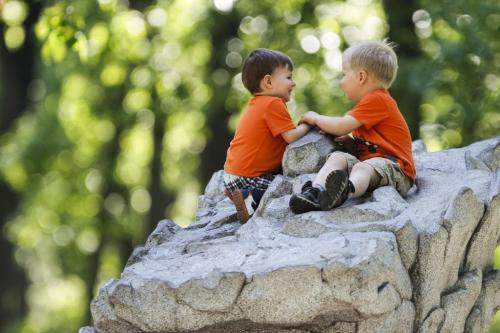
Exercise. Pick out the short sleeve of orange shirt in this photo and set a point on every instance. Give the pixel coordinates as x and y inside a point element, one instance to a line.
<point>385,126</point>
<point>258,147</point>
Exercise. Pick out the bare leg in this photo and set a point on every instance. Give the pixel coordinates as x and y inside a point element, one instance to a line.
<point>238,200</point>
<point>335,162</point>
<point>362,176</point>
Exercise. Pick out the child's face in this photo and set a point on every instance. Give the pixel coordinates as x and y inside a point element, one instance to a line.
<point>282,83</point>
<point>349,82</point>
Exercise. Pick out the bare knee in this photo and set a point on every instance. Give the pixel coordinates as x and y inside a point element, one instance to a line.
<point>366,171</point>
<point>362,167</point>
<point>337,159</point>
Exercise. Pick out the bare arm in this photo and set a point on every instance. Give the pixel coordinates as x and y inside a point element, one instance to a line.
<point>296,133</point>
<point>331,125</point>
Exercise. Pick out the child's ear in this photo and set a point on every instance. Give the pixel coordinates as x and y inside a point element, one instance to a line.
<point>362,76</point>
<point>267,80</point>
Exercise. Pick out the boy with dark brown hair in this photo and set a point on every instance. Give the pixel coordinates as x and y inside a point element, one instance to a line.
<point>255,154</point>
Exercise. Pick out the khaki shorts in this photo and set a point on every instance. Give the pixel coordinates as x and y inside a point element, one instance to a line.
<point>389,171</point>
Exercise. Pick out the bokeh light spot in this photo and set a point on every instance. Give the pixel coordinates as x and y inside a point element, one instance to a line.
<point>310,44</point>
<point>292,17</point>
<point>14,37</point>
<point>157,17</point>
<point>233,59</point>
<point>14,12</point>
<point>87,241</point>
<point>115,204</point>
<point>140,200</point>
<point>224,6</point>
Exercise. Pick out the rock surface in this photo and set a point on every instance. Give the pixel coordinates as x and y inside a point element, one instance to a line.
<point>382,263</point>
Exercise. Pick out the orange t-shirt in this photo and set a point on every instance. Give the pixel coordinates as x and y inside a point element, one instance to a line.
<point>384,125</point>
<point>258,147</point>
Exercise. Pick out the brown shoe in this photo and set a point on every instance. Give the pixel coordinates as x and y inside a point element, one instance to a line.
<point>239,202</point>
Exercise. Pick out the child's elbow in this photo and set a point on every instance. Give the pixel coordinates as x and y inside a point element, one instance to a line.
<point>290,140</point>
<point>290,136</point>
<point>343,130</point>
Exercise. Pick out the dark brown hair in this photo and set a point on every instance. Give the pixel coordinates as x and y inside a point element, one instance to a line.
<point>260,63</point>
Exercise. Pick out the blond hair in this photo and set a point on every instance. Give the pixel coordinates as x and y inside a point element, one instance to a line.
<point>377,57</point>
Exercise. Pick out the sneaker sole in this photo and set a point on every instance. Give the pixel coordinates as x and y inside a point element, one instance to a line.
<point>335,185</point>
<point>299,205</point>
<point>241,207</point>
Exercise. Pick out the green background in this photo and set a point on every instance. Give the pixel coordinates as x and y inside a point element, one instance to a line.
<point>116,113</point>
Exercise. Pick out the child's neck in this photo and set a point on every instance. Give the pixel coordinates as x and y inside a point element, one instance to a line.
<point>369,88</point>
<point>263,93</point>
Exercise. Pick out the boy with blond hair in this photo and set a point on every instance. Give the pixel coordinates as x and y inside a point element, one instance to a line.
<point>379,132</point>
<point>256,151</point>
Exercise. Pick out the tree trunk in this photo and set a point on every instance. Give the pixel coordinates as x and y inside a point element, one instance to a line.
<point>159,199</point>
<point>16,72</point>
<point>217,114</point>
<point>402,32</point>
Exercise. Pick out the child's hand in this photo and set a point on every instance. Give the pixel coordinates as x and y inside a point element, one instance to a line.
<point>309,118</point>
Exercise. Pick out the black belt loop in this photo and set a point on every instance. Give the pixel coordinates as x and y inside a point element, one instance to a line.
<point>372,148</point>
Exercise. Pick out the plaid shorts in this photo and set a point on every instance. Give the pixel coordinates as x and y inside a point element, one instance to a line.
<point>259,183</point>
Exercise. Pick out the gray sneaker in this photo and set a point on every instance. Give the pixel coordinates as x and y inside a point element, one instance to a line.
<point>306,201</point>
<point>337,190</point>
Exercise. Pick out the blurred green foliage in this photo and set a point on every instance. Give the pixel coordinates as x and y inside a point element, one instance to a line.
<point>126,94</point>
<point>461,99</point>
